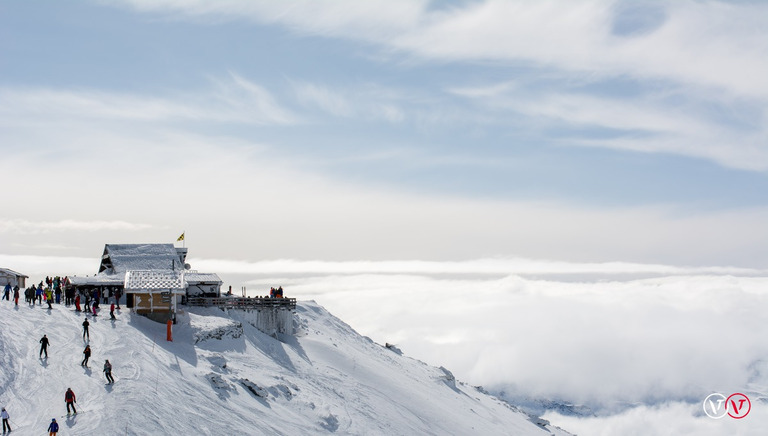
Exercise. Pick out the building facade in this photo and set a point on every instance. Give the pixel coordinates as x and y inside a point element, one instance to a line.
<point>152,278</point>
<point>9,276</point>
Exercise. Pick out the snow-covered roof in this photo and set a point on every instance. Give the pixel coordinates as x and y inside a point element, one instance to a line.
<point>144,266</point>
<point>154,280</point>
<point>196,277</point>
<point>10,272</point>
<point>120,258</point>
<point>98,280</point>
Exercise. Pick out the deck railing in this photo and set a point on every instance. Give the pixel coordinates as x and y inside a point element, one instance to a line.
<point>243,303</point>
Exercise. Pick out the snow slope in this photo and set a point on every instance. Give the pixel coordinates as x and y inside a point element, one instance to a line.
<point>221,376</point>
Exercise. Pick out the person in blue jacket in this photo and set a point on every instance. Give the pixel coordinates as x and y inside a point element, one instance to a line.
<point>53,428</point>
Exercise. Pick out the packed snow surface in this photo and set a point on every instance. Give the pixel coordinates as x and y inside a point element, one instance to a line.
<point>222,376</point>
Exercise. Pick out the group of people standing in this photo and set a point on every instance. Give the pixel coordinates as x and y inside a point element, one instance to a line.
<point>84,301</point>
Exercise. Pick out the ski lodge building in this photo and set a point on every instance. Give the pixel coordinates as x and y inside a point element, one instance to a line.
<point>153,277</point>
<point>8,276</point>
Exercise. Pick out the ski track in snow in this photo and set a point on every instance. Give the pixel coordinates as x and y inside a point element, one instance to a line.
<point>327,379</point>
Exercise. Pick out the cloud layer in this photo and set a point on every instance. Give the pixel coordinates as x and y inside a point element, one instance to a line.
<point>641,353</point>
<point>672,418</point>
<point>590,342</point>
<point>687,66</point>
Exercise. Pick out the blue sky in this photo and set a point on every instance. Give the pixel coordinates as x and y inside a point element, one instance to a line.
<point>577,131</point>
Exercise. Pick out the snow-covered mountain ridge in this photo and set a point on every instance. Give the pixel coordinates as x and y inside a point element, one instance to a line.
<point>222,376</point>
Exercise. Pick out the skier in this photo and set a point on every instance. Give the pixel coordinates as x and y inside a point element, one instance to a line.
<point>95,304</point>
<point>87,353</point>
<point>112,311</point>
<point>16,295</point>
<point>49,297</point>
<point>5,417</point>
<point>108,371</point>
<point>39,294</point>
<point>7,292</point>
<point>44,346</point>
<point>53,428</point>
<point>70,399</point>
<point>77,303</point>
<point>85,329</point>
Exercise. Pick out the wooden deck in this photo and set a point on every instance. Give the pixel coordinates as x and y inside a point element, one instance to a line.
<point>244,303</point>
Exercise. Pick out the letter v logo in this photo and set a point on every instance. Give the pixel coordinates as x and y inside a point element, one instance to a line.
<point>739,405</point>
<point>716,406</point>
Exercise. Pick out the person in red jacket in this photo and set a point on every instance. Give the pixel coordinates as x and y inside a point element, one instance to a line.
<point>70,399</point>
<point>77,303</point>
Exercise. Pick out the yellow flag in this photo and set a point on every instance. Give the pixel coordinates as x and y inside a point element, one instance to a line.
<point>181,238</point>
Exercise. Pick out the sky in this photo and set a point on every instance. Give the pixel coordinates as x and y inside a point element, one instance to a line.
<point>588,131</point>
<point>595,171</point>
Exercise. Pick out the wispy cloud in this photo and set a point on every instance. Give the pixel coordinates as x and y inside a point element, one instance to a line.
<point>658,121</point>
<point>233,99</point>
<point>21,226</point>
<point>694,42</point>
<point>249,102</point>
<point>375,19</point>
<point>365,101</point>
<point>691,48</point>
<point>324,98</point>
<point>687,41</point>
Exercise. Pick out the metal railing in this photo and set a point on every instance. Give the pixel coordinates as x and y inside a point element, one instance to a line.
<point>243,303</point>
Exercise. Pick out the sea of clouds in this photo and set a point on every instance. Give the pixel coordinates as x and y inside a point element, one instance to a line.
<point>640,346</point>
